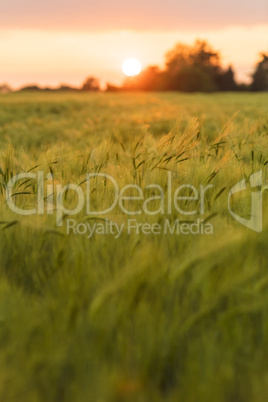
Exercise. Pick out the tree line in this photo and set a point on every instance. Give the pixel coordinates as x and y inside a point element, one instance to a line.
<point>188,68</point>
<point>195,68</point>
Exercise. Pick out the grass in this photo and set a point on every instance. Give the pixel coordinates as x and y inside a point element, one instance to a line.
<point>142,317</point>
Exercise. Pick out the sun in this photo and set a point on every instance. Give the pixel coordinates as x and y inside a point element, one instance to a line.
<point>131,67</point>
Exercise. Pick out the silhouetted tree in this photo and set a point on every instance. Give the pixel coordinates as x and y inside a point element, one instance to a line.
<point>260,76</point>
<point>112,88</point>
<point>66,88</point>
<point>4,89</point>
<point>227,81</point>
<point>31,88</point>
<point>177,57</point>
<point>149,79</point>
<point>91,84</point>
<point>193,68</point>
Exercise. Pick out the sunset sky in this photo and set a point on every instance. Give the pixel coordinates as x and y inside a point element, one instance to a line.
<point>63,41</point>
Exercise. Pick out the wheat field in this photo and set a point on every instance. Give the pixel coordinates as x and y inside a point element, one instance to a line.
<point>141,317</point>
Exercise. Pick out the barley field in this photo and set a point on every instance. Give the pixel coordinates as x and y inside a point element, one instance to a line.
<point>137,316</point>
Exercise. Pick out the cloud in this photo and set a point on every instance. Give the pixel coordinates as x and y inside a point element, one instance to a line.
<point>90,15</point>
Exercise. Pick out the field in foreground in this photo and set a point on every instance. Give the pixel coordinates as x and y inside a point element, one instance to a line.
<point>142,317</point>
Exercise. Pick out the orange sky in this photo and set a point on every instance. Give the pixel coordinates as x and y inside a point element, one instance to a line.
<point>63,41</point>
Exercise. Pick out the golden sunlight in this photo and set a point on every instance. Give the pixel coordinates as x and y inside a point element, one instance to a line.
<point>131,67</point>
